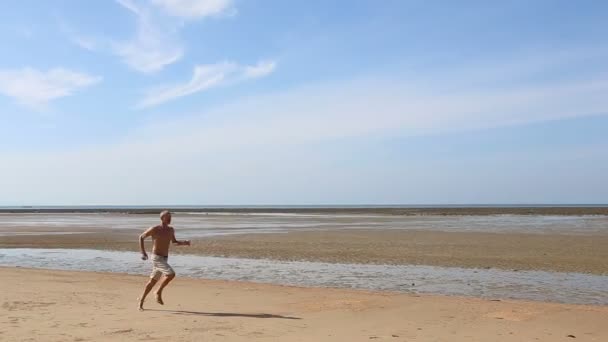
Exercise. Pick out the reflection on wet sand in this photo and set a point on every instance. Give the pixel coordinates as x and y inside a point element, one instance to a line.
<point>487,283</point>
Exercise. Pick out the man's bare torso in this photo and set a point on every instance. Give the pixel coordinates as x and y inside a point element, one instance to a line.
<point>161,238</point>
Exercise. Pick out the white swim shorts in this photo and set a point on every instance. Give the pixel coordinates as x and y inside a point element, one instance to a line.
<point>160,266</point>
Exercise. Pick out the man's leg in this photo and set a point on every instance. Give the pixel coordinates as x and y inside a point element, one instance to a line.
<point>159,293</point>
<point>147,290</point>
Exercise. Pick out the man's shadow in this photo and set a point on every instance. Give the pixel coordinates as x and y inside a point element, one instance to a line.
<point>224,314</point>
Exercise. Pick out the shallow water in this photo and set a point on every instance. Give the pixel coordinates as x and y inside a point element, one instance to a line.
<point>486,283</point>
<point>193,225</point>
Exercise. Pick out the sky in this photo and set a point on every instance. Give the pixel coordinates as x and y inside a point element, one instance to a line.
<point>262,102</point>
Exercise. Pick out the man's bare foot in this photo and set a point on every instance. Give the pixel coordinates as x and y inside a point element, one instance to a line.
<point>141,304</point>
<point>159,298</point>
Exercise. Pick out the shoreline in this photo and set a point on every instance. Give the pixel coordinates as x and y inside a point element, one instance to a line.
<point>559,210</point>
<point>87,306</point>
<point>248,283</point>
<point>540,286</point>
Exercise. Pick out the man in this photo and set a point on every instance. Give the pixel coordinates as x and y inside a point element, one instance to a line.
<point>162,235</point>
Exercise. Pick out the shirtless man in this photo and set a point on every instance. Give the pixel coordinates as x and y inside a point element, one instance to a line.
<point>162,235</point>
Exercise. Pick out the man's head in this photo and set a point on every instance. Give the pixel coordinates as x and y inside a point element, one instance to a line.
<point>165,217</point>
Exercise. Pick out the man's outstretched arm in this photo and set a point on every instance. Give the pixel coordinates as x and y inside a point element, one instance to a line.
<point>142,237</point>
<point>179,243</point>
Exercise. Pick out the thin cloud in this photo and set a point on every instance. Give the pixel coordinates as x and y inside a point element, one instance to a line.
<point>153,47</point>
<point>131,6</point>
<point>246,146</point>
<point>205,77</point>
<point>84,42</point>
<point>249,143</point>
<point>260,70</point>
<point>364,108</point>
<point>155,43</point>
<point>359,108</point>
<point>35,88</point>
<point>194,9</point>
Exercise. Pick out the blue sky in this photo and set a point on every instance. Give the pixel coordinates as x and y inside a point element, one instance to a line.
<point>158,102</point>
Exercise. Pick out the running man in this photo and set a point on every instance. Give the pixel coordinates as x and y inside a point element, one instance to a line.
<point>162,235</point>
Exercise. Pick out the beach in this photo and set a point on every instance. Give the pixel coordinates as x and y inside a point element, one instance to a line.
<point>85,306</point>
<point>310,276</point>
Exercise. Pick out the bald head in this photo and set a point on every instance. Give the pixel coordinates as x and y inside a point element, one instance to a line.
<point>165,216</point>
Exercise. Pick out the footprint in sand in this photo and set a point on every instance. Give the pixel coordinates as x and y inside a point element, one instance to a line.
<point>123,331</point>
<point>513,315</point>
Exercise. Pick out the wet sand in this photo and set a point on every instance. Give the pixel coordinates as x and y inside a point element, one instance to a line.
<point>564,253</point>
<point>510,251</point>
<point>557,287</point>
<point>41,305</point>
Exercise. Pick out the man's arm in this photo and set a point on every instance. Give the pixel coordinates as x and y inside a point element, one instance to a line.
<point>142,237</point>
<point>176,242</point>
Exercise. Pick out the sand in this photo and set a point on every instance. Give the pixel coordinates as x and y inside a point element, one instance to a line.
<point>555,252</point>
<point>510,251</point>
<point>41,305</point>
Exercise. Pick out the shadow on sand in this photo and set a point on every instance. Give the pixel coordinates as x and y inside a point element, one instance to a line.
<point>224,314</point>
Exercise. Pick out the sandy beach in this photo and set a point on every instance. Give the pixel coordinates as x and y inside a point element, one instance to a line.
<point>87,306</point>
<point>43,305</point>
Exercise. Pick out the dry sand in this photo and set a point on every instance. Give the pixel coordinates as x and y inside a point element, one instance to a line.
<point>551,252</point>
<point>40,305</point>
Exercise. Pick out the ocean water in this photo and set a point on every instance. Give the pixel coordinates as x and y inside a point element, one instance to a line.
<point>485,283</point>
<point>324,206</point>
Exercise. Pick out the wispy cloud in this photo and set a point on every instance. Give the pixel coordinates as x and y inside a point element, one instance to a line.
<point>35,88</point>
<point>156,42</point>
<point>261,69</point>
<point>131,6</point>
<point>371,107</point>
<point>153,46</point>
<point>205,77</point>
<point>246,147</point>
<point>85,42</point>
<point>193,9</point>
